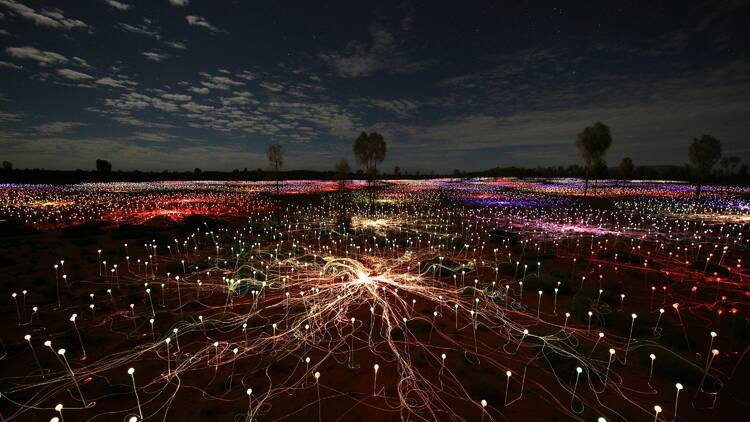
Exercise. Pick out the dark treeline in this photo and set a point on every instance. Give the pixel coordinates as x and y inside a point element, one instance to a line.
<point>665,172</point>
<point>682,173</point>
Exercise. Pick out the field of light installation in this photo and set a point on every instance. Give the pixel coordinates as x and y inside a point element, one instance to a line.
<point>480,300</point>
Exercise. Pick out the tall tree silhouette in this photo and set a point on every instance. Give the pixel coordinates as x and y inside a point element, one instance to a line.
<point>103,166</point>
<point>342,171</point>
<point>369,149</point>
<point>276,161</point>
<point>627,168</point>
<point>593,143</point>
<point>704,152</point>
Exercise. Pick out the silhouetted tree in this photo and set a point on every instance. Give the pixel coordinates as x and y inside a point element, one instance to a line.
<point>599,170</point>
<point>369,149</point>
<point>103,166</point>
<point>342,171</point>
<point>276,161</point>
<point>197,171</point>
<point>7,166</point>
<point>627,168</point>
<point>704,152</point>
<point>593,143</point>
<point>397,171</point>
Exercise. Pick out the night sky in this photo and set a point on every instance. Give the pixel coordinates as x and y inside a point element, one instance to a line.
<point>178,84</point>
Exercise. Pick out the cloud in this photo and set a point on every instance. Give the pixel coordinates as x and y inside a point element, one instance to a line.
<point>9,117</point>
<point>200,90</point>
<point>177,97</point>
<point>118,5</point>
<point>81,62</point>
<point>129,101</point>
<point>239,98</point>
<point>10,65</point>
<point>401,107</point>
<point>197,108</point>
<point>154,136</point>
<point>273,87</point>
<point>41,57</point>
<point>74,75</point>
<point>133,121</point>
<point>202,22</point>
<point>114,83</point>
<point>141,29</point>
<point>163,105</point>
<point>57,127</point>
<point>154,56</point>
<point>176,44</point>
<point>53,18</point>
<point>179,3</point>
<point>149,29</point>
<point>381,54</point>
<point>219,82</point>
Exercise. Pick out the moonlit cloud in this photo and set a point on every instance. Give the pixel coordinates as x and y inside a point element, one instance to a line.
<point>53,18</point>
<point>57,127</point>
<point>73,74</point>
<point>118,5</point>
<point>202,23</point>
<point>154,56</point>
<point>381,54</point>
<point>10,65</point>
<point>41,57</point>
<point>114,83</point>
